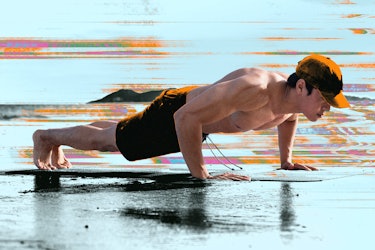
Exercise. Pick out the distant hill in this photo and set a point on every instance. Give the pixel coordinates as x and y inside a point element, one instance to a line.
<point>128,95</point>
<point>359,99</point>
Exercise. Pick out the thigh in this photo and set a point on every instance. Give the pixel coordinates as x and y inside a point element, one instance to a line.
<point>151,132</point>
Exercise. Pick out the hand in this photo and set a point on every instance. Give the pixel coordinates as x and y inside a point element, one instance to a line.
<point>230,176</point>
<point>296,166</point>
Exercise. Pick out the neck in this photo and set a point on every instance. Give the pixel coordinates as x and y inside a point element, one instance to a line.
<point>285,99</point>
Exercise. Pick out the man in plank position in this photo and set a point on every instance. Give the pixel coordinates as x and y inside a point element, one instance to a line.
<point>180,119</point>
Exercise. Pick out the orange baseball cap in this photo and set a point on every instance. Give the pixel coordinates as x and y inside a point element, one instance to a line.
<point>325,75</point>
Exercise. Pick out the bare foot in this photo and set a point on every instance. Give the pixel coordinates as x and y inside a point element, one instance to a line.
<point>58,158</point>
<point>42,151</point>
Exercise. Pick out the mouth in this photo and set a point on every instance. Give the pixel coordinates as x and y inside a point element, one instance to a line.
<point>320,115</point>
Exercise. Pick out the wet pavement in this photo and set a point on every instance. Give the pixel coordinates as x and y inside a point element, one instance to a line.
<point>102,213</point>
<point>58,57</point>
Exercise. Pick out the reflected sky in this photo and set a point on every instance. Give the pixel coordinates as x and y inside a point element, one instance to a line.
<point>76,52</point>
<point>56,57</point>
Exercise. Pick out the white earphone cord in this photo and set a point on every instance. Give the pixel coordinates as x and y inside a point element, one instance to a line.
<point>221,154</point>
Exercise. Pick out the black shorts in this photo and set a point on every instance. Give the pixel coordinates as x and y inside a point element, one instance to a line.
<point>152,132</point>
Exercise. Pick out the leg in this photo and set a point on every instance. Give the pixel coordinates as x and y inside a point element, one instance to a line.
<point>88,137</point>
<point>58,157</point>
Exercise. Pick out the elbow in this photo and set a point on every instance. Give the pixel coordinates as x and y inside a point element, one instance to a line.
<point>178,116</point>
<point>181,118</point>
<point>186,121</point>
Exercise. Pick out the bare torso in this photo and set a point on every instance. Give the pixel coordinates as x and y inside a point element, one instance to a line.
<point>263,117</point>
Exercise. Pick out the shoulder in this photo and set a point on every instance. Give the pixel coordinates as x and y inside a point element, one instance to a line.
<point>243,91</point>
<point>249,91</point>
<point>253,76</point>
<point>259,86</point>
<point>256,73</point>
<point>242,73</point>
<point>262,76</point>
<point>258,79</point>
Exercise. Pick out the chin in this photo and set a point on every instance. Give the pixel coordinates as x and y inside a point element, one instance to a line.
<point>313,119</point>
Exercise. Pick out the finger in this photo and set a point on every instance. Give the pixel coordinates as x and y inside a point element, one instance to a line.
<point>301,167</point>
<point>233,177</point>
<point>236,177</point>
<point>243,177</point>
<point>313,168</point>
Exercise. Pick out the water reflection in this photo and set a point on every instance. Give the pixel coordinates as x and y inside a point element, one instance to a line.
<point>46,183</point>
<point>193,216</point>
<point>48,208</point>
<point>287,213</point>
<point>183,205</point>
<point>193,212</point>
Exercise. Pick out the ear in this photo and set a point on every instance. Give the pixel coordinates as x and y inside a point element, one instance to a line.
<point>300,86</point>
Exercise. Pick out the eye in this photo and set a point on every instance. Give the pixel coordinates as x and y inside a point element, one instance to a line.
<point>320,95</point>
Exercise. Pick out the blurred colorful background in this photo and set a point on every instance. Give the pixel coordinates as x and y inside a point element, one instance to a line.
<point>58,56</point>
<point>55,57</point>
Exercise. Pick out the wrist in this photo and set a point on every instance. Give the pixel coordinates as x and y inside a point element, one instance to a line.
<point>202,175</point>
<point>286,160</point>
<point>286,163</point>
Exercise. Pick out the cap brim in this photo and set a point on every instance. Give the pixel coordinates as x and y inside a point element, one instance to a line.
<point>339,101</point>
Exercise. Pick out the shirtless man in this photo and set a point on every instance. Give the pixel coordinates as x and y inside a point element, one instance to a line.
<point>180,119</point>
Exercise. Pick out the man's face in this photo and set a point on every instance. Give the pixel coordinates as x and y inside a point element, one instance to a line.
<point>315,106</point>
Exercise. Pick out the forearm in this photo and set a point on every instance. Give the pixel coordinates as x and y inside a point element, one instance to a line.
<point>286,134</point>
<point>286,151</point>
<point>190,141</point>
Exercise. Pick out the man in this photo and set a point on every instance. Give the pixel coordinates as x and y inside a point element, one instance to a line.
<point>180,119</point>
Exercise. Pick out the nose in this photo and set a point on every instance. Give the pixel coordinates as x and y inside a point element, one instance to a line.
<point>326,107</point>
